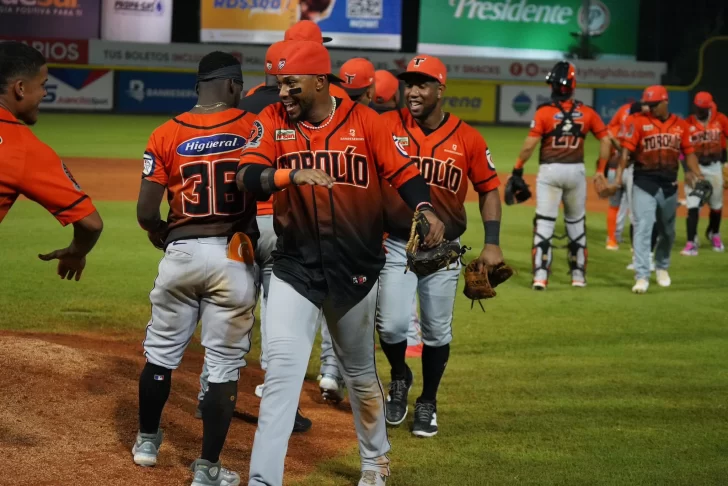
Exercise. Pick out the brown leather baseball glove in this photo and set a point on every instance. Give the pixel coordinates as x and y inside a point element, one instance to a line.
<point>481,285</point>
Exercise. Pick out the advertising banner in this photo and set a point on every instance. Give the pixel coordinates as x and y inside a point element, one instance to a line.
<point>517,104</point>
<point>176,56</point>
<point>148,92</point>
<point>137,20</point>
<point>535,29</point>
<point>471,101</point>
<point>79,89</point>
<point>67,19</point>
<point>56,51</point>
<point>608,101</point>
<point>350,23</point>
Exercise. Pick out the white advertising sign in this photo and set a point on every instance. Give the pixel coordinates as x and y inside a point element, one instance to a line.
<point>79,89</point>
<point>517,104</point>
<point>137,20</point>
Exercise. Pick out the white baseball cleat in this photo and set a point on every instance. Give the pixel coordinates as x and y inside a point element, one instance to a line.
<point>539,285</point>
<point>641,286</point>
<point>259,390</point>
<point>663,278</point>
<point>332,390</point>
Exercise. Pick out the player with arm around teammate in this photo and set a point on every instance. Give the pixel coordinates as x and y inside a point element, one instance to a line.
<point>447,152</point>
<point>31,168</point>
<point>654,142</point>
<point>561,127</point>
<point>207,273</point>
<point>329,249</point>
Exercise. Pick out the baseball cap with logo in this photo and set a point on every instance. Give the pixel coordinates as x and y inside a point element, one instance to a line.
<point>426,65</point>
<point>305,30</point>
<point>303,58</point>
<point>703,99</point>
<point>357,75</point>
<point>272,56</point>
<point>386,85</point>
<point>653,95</point>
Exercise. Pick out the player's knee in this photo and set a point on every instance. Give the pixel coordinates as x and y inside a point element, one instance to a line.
<point>393,330</point>
<point>158,357</point>
<point>437,336</point>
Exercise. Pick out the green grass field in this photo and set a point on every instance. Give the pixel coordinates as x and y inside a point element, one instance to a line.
<point>592,386</point>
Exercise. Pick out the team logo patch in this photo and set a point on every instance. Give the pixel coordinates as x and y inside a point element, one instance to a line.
<point>533,123</point>
<point>349,78</point>
<point>283,135</point>
<point>489,158</point>
<point>269,65</point>
<point>158,377</point>
<point>219,143</point>
<point>70,176</point>
<point>281,63</point>
<point>359,279</point>
<point>399,146</point>
<point>149,163</point>
<point>256,134</point>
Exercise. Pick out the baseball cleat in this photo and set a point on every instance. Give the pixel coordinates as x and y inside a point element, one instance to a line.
<point>578,283</point>
<point>717,243</point>
<point>690,249</point>
<point>301,424</point>
<point>259,390</point>
<point>425,419</point>
<point>372,478</point>
<point>414,351</point>
<point>396,407</point>
<point>612,245</point>
<point>332,389</point>
<point>146,448</point>
<point>198,411</point>
<point>212,474</point>
<point>663,278</point>
<point>641,286</point>
<point>539,285</point>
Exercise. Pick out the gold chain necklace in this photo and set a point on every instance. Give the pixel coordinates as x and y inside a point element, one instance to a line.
<point>212,106</point>
<point>323,125</point>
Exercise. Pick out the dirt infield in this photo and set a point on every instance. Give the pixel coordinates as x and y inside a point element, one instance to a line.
<point>69,415</point>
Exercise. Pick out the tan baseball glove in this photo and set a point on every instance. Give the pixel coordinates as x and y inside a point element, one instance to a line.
<point>481,284</point>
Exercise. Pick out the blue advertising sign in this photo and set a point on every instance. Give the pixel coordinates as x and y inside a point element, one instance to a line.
<point>163,93</point>
<point>608,101</point>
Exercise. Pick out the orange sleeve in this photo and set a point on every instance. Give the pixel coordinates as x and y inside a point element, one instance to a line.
<point>631,135</point>
<point>393,161</point>
<point>47,181</point>
<point>154,168</point>
<point>596,125</point>
<point>538,127</point>
<point>260,147</point>
<point>615,124</point>
<point>481,169</point>
<point>338,91</point>
<point>685,144</point>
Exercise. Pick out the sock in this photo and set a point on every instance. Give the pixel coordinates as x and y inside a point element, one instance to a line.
<point>692,221</point>
<point>154,385</point>
<point>715,216</point>
<point>217,412</point>
<point>434,361</point>
<point>395,355</point>
<point>612,223</point>
<point>654,238</point>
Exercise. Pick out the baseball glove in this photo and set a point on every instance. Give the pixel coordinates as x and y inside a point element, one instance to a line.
<point>425,261</point>
<point>702,190</point>
<point>516,190</point>
<point>602,187</point>
<point>481,285</point>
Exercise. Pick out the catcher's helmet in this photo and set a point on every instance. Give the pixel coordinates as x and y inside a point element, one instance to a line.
<point>562,79</point>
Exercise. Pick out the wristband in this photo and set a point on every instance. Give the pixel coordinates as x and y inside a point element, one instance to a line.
<point>601,165</point>
<point>424,206</point>
<point>283,178</point>
<point>492,232</point>
<point>518,172</point>
<point>519,165</point>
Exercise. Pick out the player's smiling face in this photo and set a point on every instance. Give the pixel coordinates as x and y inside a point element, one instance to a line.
<point>421,95</point>
<point>297,94</point>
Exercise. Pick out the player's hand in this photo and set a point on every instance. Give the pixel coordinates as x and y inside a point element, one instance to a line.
<point>691,178</point>
<point>490,256</point>
<point>157,238</point>
<point>437,230</point>
<point>313,177</point>
<point>600,184</point>
<point>70,265</point>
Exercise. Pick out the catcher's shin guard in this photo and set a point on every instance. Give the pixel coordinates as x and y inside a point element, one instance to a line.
<point>577,252</point>
<point>543,231</point>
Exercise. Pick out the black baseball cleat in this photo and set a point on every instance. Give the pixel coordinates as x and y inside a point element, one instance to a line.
<point>396,406</point>
<point>425,419</point>
<point>302,424</point>
<point>198,412</point>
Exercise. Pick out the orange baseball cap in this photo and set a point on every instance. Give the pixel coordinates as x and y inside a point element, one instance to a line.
<point>272,56</point>
<point>385,84</point>
<point>654,94</point>
<point>703,99</point>
<point>357,75</point>
<point>427,65</point>
<point>303,57</point>
<point>305,30</point>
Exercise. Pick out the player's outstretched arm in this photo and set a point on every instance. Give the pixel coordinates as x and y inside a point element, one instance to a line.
<point>529,145</point>
<point>72,260</point>
<point>261,180</point>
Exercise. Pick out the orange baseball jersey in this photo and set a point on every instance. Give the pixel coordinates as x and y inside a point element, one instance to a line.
<point>617,122</point>
<point>330,238</point>
<point>708,138</point>
<point>195,156</point>
<point>446,157</point>
<point>254,89</point>
<point>31,168</point>
<point>562,128</point>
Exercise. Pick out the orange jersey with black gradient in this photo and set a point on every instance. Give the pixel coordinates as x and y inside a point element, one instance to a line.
<point>562,139</point>
<point>330,240</point>
<point>616,124</point>
<point>447,157</point>
<point>31,168</point>
<point>195,156</point>
<point>708,138</point>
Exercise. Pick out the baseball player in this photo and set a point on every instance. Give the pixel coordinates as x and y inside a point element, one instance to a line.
<point>654,142</point>
<point>386,94</point>
<point>447,151</point>
<point>329,250</point>
<point>31,168</point>
<point>618,206</point>
<point>207,273</point>
<point>707,130</point>
<point>561,126</point>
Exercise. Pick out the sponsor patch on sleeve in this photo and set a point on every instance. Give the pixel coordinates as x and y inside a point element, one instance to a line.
<point>400,148</point>
<point>283,135</point>
<point>256,134</point>
<point>533,123</point>
<point>149,163</point>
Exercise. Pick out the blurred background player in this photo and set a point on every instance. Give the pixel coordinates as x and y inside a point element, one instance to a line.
<point>205,275</point>
<point>654,141</point>
<point>707,134</point>
<point>561,127</point>
<point>31,168</point>
<point>431,137</point>
<point>386,92</point>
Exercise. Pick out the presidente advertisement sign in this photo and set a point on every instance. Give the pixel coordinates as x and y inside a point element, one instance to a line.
<point>535,29</point>
<point>67,19</point>
<point>350,23</point>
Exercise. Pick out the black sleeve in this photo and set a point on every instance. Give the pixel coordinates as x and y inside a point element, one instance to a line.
<point>415,191</point>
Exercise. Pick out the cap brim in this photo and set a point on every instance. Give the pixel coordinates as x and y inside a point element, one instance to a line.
<point>333,78</point>
<point>355,92</point>
<point>414,75</point>
<point>327,39</point>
